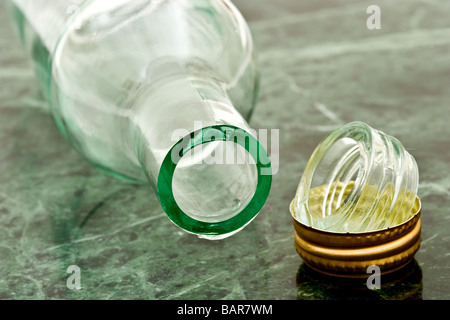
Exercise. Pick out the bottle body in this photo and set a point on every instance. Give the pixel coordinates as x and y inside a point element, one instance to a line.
<point>132,84</point>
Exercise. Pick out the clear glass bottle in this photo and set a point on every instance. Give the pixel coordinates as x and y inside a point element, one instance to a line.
<point>159,92</point>
<point>358,179</point>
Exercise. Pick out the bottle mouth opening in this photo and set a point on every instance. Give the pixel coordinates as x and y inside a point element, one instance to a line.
<point>214,181</point>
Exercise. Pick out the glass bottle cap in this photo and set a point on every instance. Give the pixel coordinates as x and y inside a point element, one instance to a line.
<point>357,205</point>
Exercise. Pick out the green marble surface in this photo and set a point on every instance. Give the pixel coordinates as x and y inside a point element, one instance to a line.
<point>321,68</point>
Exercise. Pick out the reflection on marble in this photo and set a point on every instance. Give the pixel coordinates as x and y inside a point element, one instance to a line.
<point>404,284</point>
<point>321,68</point>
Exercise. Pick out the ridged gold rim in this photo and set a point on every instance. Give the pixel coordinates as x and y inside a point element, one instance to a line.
<point>349,254</point>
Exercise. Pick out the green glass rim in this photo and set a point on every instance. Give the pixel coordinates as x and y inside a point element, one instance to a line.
<point>221,133</point>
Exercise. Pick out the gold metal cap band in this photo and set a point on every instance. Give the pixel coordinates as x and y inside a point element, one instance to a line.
<point>350,254</point>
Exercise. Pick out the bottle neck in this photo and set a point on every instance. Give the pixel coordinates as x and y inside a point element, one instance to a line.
<point>211,173</point>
